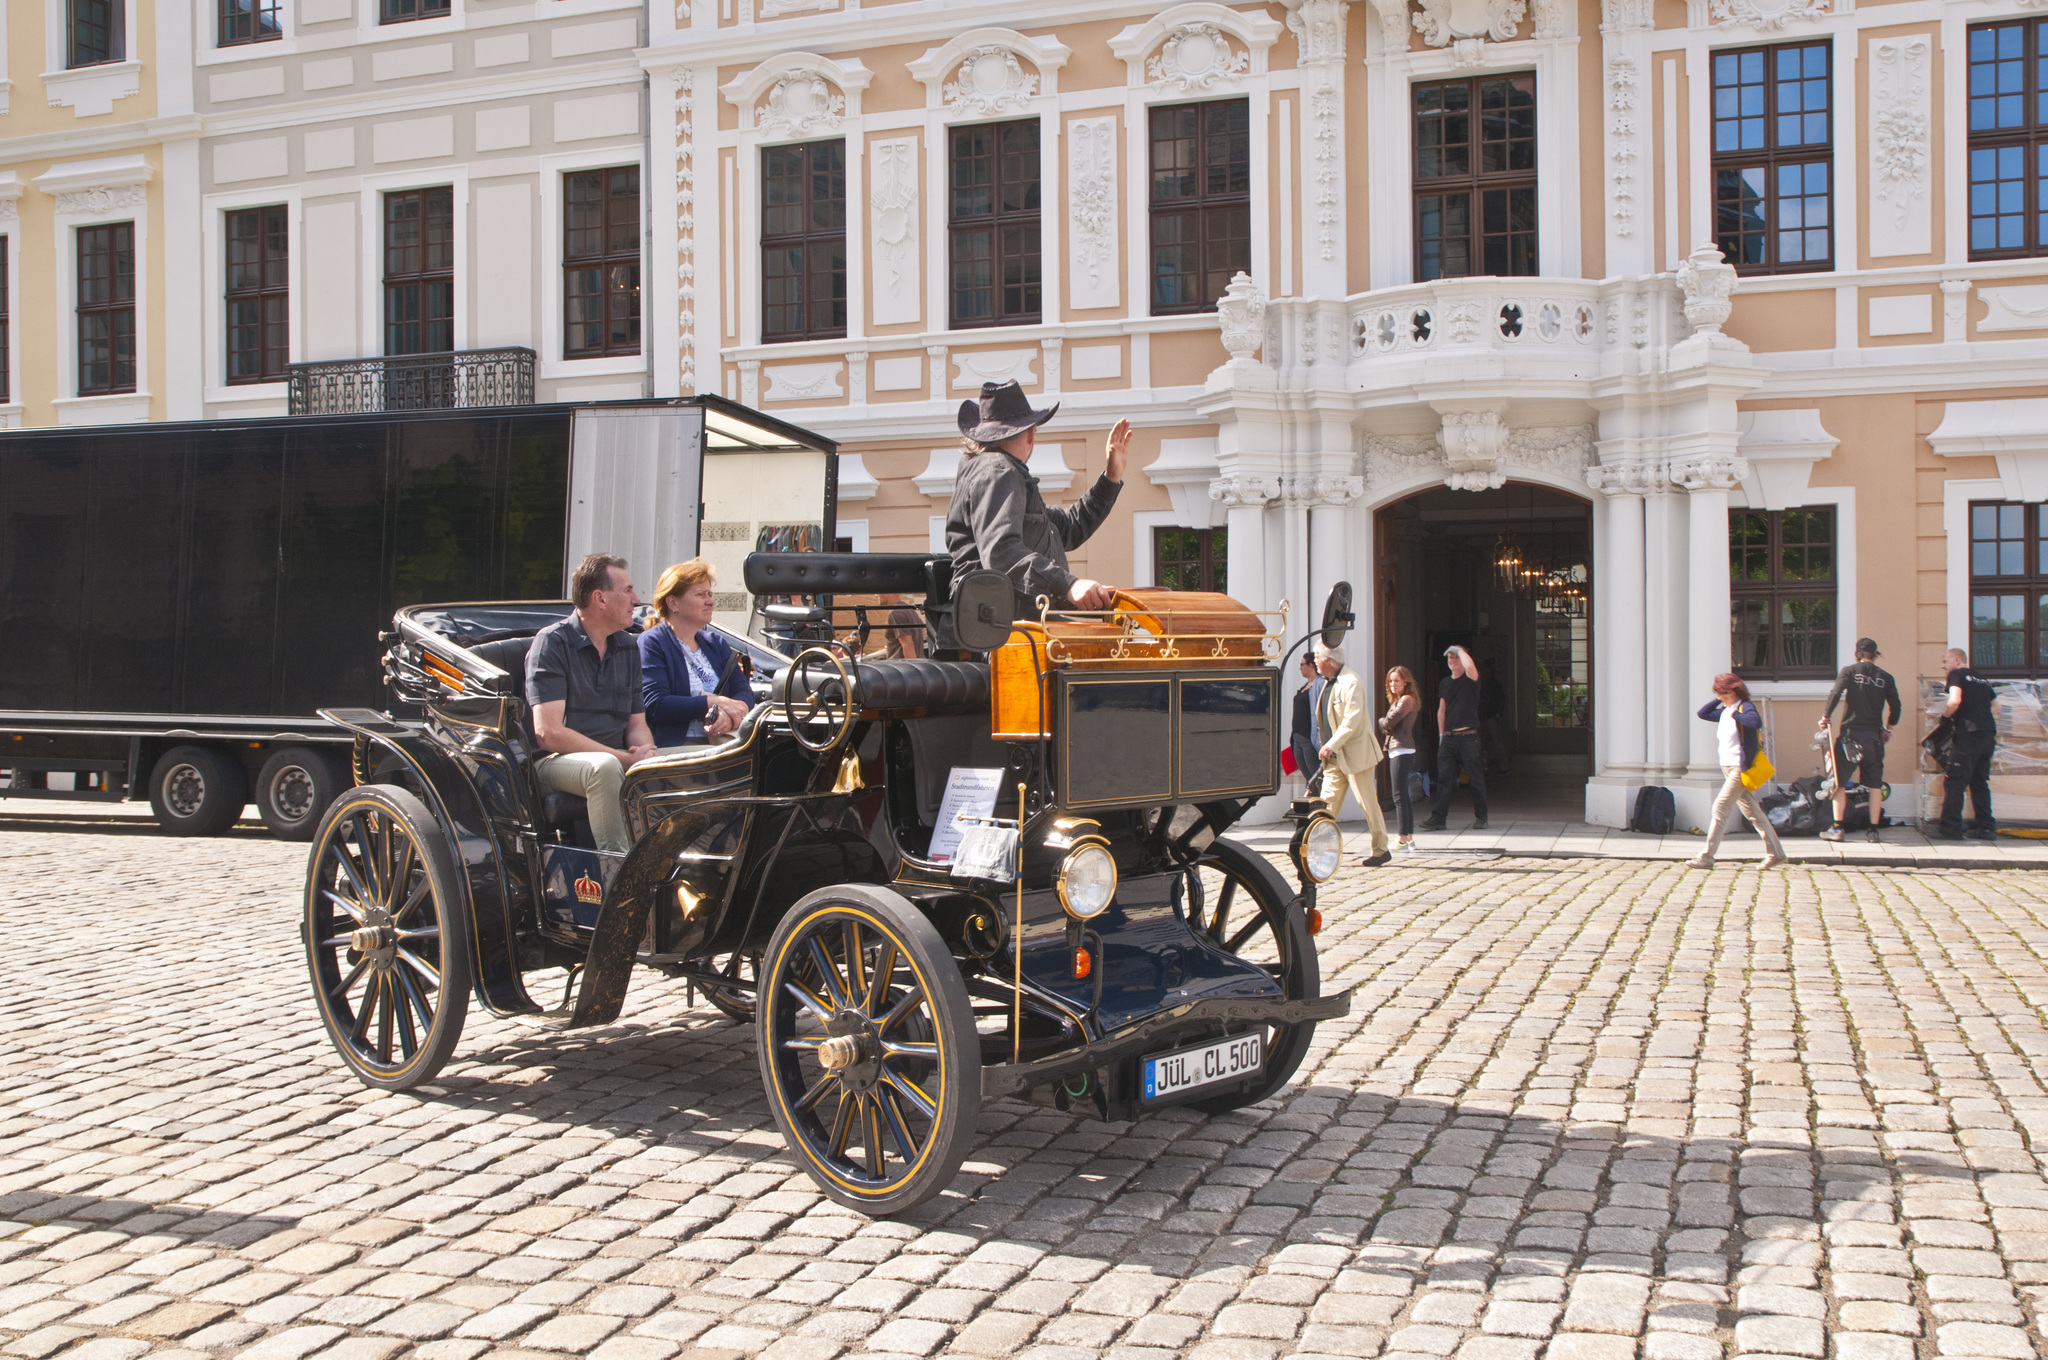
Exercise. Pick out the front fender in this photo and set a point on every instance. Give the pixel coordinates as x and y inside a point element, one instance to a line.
<point>460,812</point>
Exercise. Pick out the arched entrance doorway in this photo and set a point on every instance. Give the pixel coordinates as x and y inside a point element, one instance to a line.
<point>1443,562</point>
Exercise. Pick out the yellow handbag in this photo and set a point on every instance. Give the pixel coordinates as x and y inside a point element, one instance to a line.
<point>1759,772</point>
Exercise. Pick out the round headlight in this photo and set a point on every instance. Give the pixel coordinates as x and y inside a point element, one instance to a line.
<point>1087,882</point>
<point>1322,849</point>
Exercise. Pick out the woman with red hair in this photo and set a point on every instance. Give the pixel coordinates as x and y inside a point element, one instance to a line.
<point>1739,738</point>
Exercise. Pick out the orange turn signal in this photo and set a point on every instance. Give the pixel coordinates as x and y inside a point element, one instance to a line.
<point>1083,963</point>
<point>1315,920</point>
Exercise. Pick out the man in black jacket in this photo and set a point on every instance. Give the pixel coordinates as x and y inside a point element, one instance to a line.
<point>1301,736</point>
<point>1969,758</point>
<point>1870,710</point>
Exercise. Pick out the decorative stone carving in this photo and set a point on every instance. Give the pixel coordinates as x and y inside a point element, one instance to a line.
<point>1564,450</point>
<point>1955,310</point>
<point>976,367</point>
<point>804,382</point>
<point>683,83</point>
<point>1197,57</point>
<point>1620,16</point>
<point>1393,23</point>
<point>1622,95</point>
<point>1092,279</point>
<point>1461,322</point>
<point>1242,312</point>
<point>1553,18</point>
<point>1626,479</point>
<point>1318,26</point>
<point>1245,493</point>
<point>2020,308</point>
<point>1764,15</point>
<point>1392,458</point>
<point>101,198</point>
<point>1901,145</point>
<point>1708,283</point>
<point>1446,21</point>
<point>1322,117</point>
<point>1316,493</point>
<point>1709,473</point>
<point>799,104</point>
<point>1473,442</point>
<point>892,227</point>
<point>989,80</point>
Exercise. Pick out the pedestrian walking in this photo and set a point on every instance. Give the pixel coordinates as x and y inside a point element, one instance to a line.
<point>1301,735</point>
<point>1403,707</point>
<point>1457,742</point>
<point>1969,755</point>
<point>1351,749</point>
<point>1870,710</point>
<point>1738,738</point>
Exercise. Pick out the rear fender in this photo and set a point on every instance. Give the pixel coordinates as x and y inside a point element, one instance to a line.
<point>460,812</point>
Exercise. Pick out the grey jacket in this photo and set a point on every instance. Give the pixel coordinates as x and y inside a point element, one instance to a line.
<point>999,521</point>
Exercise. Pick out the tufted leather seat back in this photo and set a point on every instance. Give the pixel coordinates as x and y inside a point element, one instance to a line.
<point>939,688</point>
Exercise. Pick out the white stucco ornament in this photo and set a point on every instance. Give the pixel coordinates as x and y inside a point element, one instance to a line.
<point>989,80</point>
<point>1708,283</point>
<point>1242,310</point>
<point>799,104</point>
<point>1197,57</point>
<point>1765,15</point>
<point>1473,442</point>
<point>1444,22</point>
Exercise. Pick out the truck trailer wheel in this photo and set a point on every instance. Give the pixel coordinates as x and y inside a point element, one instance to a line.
<point>294,789</point>
<point>197,792</point>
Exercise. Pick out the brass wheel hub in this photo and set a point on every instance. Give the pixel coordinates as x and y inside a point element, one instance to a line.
<point>854,1054</point>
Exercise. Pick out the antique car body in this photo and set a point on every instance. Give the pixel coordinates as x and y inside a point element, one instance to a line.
<point>1120,953</point>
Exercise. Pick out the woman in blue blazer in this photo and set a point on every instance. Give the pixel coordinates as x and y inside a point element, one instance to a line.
<point>690,679</point>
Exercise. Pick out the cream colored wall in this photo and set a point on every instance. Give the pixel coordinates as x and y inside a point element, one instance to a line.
<point>29,111</point>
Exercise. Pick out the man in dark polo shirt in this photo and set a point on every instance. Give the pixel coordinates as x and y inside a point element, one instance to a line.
<point>1970,697</point>
<point>583,685</point>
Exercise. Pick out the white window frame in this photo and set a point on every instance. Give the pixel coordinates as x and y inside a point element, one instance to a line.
<point>374,187</point>
<point>1142,525</point>
<point>369,30</point>
<point>100,409</point>
<point>1956,496</point>
<point>111,80</point>
<point>206,37</point>
<point>1843,499</point>
<point>553,361</point>
<point>213,245</point>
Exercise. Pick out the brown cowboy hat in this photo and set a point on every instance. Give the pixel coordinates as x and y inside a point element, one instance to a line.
<point>1001,413</point>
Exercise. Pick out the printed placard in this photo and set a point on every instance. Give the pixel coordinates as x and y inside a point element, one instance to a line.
<point>970,793</point>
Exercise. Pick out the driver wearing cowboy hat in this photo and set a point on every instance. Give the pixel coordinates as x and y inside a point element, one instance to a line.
<point>999,521</point>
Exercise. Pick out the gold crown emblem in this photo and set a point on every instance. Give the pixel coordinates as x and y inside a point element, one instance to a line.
<point>589,889</point>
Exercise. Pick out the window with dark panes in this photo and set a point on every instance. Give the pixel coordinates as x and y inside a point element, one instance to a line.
<point>419,271</point>
<point>6,326</point>
<point>1475,177</point>
<point>1781,576</point>
<point>2008,589</point>
<point>803,241</point>
<point>2008,139</point>
<point>601,263</point>
<point>249,21</point>
<point>1774,158</point>
<point>1191,559</point>
<point>258,294</point>
<point>1201,202</point>
<point>106,309</point>
<point>399,11</point>
<point>96,32</point>
<point>993,223</point>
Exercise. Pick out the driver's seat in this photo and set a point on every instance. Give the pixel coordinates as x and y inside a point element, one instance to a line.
<point>565,812</point>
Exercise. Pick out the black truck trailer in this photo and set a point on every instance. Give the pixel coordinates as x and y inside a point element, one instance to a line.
<point>177,600</point>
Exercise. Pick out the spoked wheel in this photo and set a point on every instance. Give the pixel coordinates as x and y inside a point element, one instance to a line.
<point>868,1048</point>
<point>386,942</point>
<point>1239,903</point>
<point>737,1002</point>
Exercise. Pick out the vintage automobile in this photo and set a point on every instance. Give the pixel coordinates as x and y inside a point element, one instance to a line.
<point>928,882</point>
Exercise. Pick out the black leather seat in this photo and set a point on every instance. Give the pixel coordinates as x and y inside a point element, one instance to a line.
<point>936,688</point>
<point>509,655</point>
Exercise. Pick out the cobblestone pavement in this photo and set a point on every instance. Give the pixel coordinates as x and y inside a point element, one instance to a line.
<point>1582,1110</point>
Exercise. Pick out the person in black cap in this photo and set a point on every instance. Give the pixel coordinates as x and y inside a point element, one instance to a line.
<point>1870,710</point>
<point>997,519</point>
<point>1968,764</point>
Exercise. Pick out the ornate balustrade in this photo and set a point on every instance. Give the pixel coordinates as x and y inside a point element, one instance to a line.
<point>413,382</point>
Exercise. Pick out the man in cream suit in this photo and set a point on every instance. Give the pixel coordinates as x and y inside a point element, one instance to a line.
<point>1351,748</point>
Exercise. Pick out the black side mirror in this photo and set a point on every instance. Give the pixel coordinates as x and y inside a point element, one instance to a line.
<point>1337,616</point>
<point>984,607</point>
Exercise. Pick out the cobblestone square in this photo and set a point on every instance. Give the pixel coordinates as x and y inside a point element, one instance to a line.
<point>1581,1110</point>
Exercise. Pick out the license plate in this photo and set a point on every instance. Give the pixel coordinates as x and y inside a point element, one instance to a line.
<point>1239,1056</point>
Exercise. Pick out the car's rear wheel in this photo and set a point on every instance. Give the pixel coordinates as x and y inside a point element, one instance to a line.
<point>868,1048</point>
<point>387,945</point>
<point>1241,905</point>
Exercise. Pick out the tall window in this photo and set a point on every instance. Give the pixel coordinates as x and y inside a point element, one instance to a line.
<point>106,309</point>
<point>96,31</point>
<point>1475,177</point>
<point>6,329</point>
<point>1773,158</point>
<point>419,272</point>
<point>1781,570</point>
<point>1201,202</point>
<point>249,21</point>
<point>258,294</point>
<point>2008,589</point>
<point>994,224</point>
<point>1191,559</point>
<point>2009,139</point>
<point>803,241</point>
<point>398,11</point>
<point>601,263</point>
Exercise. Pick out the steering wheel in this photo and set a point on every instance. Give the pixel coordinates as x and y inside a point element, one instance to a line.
<point>842,717</point>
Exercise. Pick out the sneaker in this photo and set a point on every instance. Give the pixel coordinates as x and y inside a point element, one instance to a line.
<point>1700,862</point>
<point>1432,825</point>
<point>1404,847</point>
<point>1479,825</point>
<point>1873,837</point>
<point>1983,834</point>
<point>1948,835</point>
<point>1833,833</point>
<point>1375,861</point>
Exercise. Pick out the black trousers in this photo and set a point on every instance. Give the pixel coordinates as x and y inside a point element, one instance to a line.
<point>1969,767</point>
<point>1453,752</point>
<point>1308,762</point>
<point>1402,769</point>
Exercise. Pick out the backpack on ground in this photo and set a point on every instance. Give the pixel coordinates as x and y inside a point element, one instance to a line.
<point>1656,812</point>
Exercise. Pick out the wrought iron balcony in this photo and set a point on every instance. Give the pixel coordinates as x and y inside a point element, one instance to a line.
<point>413,382</point>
